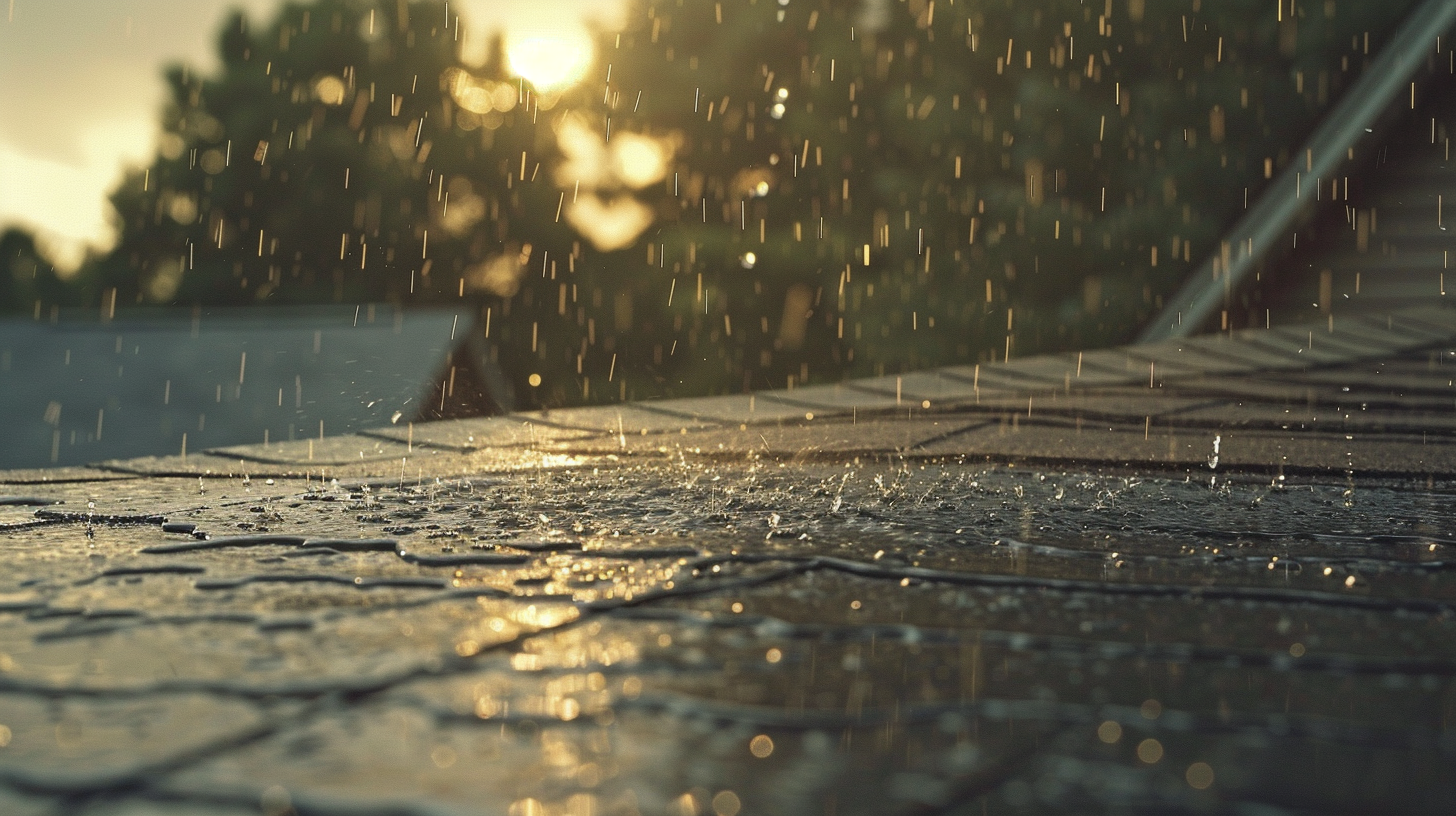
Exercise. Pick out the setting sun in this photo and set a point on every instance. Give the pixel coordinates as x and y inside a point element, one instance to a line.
<point>550,63</point>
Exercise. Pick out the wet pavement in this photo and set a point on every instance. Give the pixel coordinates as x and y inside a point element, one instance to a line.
<point>1229,587</point>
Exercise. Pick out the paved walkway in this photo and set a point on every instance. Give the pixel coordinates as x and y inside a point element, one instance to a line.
<point>1204,576</point>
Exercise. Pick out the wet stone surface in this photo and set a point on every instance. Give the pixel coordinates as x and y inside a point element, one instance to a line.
<point>667,635</point>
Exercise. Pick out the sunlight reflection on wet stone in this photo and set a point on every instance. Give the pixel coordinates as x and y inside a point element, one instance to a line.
<point>652,637</point>
<point>843,547</point>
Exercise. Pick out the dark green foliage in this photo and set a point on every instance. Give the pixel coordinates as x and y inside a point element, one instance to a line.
<point>1022,176</point>
<point>328,133</point>
<point>28,279</point>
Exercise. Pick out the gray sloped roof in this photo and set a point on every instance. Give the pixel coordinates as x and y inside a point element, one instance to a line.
<point>1266,229</point>
<point>79,390</point>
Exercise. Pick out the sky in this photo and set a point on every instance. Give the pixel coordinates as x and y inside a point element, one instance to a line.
<point>81,87</point>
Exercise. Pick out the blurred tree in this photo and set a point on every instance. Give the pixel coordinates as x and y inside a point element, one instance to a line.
<point>28,279</point>
<point>341,154</point>
<point>743,193</point>
<point>964,180</point>
<point>727,291</point>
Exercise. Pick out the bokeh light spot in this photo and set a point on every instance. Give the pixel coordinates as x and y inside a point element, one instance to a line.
<point>1199,775</point>
<point>1150,751</point>
<point>329,90</point>
<point>726,803</point>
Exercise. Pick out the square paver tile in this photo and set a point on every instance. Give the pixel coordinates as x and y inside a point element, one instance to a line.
<point>474,434</point>
<point>331,450</point>
<point>733,409</point>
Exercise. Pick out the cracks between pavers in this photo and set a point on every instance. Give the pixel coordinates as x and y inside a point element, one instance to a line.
<point>148,780</point>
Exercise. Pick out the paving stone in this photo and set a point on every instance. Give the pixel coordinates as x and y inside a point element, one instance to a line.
<point>26,476</point>
<point>1301,345</point>
<point>1080,370</point>
<point>333,450</point>
<point>1326,420</point>
<point>208,466</point>
<point>615,419</point>
<point>1255,357</point>
<point>152,807</point>
<point>1441,321</point>
<point>1364,454</point>
<point>1040,443</point>
<point>966,383</point>
<point>1382,399</point>
<point>838,436</point>
<point>1437,365</point>
<point>78,743</point>
<point>140,501</point>
<point>745,610</point>
<point>1281,388</point>
<point>496,684</point>
<point>1122,404</point>
<point>1019,374</point>
<point>846,398</point>
<point>951,383</point>
<point>476,434</point>
<point>1345,345</point>
<point>1381,335</point>
<point>1043,444</point>
<point>742,409</point>
<point>1418,332</point>
<point>1374,380</point>
<point>15,803</point>
<point>193,464</point>
<point>937,387</point>
<point>1198,357</point>
<point>1145,370</point>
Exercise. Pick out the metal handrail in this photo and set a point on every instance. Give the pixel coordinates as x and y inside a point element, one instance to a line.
<point>1278,209</point>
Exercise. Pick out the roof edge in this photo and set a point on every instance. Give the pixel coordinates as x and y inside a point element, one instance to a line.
<point>1258,232</point>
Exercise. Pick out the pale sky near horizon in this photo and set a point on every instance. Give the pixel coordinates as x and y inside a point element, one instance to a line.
<point>81,87</point>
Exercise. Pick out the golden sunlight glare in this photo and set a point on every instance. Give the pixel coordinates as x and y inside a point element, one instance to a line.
<point>550,62</point>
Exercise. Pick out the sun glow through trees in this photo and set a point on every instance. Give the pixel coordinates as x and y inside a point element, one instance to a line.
<point>550,62</point>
